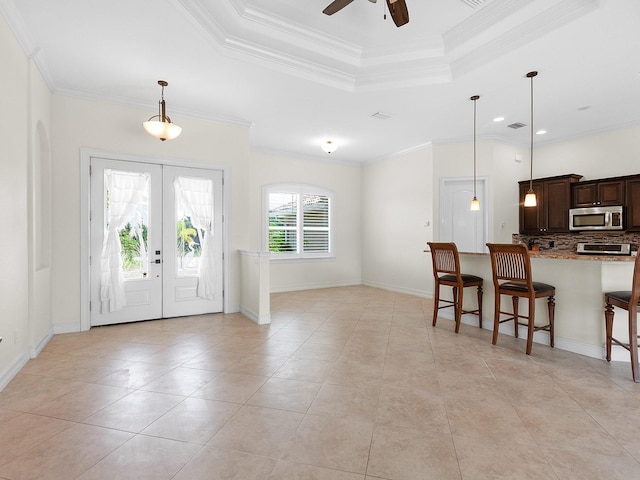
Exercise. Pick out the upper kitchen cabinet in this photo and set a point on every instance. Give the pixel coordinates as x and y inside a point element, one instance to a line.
<point>598,193</point>
<point>551,215</point>
<point>632,204</point>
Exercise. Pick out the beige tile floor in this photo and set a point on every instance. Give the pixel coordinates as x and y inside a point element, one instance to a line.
<point>345,384</point>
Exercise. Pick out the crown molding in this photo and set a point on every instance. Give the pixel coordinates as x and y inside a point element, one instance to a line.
<point>283,45</point>
<point>481,21</point>
<point>135,103</point>
<point>31,50</point>
<point>254,34</point>
<point>551,17</point>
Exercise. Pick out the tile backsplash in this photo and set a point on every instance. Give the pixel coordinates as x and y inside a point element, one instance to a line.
<point>566,242</point>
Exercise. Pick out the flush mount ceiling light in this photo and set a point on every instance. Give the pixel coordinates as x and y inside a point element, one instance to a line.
<point>160,125</point>
<point>530,198</point>
<point>329,146</point>
<point>475,204</point>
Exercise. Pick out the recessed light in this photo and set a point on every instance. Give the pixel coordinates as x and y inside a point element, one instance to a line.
<point>541,132</point>
<point>498,119</point>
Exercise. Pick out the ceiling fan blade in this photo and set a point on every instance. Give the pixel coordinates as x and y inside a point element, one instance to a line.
<point>336,6</point>
<point>399,12</point>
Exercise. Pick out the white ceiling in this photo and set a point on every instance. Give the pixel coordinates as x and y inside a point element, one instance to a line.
<point>298,76</point>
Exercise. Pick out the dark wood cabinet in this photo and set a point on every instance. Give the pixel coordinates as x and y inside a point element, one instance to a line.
<point>601,193</point>
<point>551,215</point>
<point>530,221</point>
<point>632,204</point>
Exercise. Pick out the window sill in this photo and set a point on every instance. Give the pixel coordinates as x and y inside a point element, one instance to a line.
<point>280,259</point>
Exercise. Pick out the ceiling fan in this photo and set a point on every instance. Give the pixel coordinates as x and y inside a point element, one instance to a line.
<point>397,8</point>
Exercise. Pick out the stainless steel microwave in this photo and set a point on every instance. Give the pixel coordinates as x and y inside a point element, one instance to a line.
<point>595,218</point>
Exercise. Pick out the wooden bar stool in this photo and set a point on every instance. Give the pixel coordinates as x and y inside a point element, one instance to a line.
<point>627,300</point>
<point>446,271</point>
<point>511,268</point>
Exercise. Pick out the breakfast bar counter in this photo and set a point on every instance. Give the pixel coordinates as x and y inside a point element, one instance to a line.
<point>580,281</point>
<point>569,256</point>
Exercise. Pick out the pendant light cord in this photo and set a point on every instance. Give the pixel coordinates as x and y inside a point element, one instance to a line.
<point>531,75</point>
<point>531,149</point>
<point>475,205</point>
<point>474,145</point>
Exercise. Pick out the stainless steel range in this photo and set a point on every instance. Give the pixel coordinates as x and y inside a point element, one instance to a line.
<point>604,248</point>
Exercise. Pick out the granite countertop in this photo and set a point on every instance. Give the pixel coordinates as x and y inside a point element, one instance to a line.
<point>563,255</point>
<point>576,256</point>
<point>569,256</point>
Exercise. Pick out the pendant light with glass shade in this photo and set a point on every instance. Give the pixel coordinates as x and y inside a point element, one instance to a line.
<point>530,198</point>
<point>475,203</point>
<point>160,125</point>
<point>329,146</point>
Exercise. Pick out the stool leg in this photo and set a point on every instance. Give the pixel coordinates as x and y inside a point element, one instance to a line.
<point>457,306</point>
<point>514,300</point>
<point>551,305</point>
<point>633,342</point>
<point>496,317</point>
<point>480,306</point>
<point>608,327</point>
<point>531,323</point>
<point>436,302</point>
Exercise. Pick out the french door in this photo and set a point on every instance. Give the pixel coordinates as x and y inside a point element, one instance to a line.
<point>155,241</point>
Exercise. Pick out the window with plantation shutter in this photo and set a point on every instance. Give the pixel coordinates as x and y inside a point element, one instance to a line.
<point>298,221</point>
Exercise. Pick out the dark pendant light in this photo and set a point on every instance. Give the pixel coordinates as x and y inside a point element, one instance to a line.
<point>160,125</point>
<point>475,203</point>
<point>530,198</point>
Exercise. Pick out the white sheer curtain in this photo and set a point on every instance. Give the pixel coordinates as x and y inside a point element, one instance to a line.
<point>123,190</point>
<point>194,196</point>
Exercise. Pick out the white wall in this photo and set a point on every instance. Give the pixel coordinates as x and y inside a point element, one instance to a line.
<point>14,241</point>
<point>381,207</point>
<point>398,200</point>
<point>39,212</point>
<point>606,154</point>
<point>496,162</point>
<point>344,181</point>
<point>397,191</point>
<point>117,129</point>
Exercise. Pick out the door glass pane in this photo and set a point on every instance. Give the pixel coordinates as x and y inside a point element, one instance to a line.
<point>188,246</point>
<point>194,219</point>
<point>127,212</point>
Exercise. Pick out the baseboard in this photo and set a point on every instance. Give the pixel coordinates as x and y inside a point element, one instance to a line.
<point>398,289</point>
<point>618,354</point>
<point>8,375</point>
<point>258,319</point>
<point>315,286</point>
<point>34,351</point>
<point>232,309</point>
<point>541,337</point>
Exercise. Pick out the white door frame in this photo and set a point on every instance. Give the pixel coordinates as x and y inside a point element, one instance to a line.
<point>85,201</point>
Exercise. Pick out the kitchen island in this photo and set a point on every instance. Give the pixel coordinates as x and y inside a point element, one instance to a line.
<point>580,281</point>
